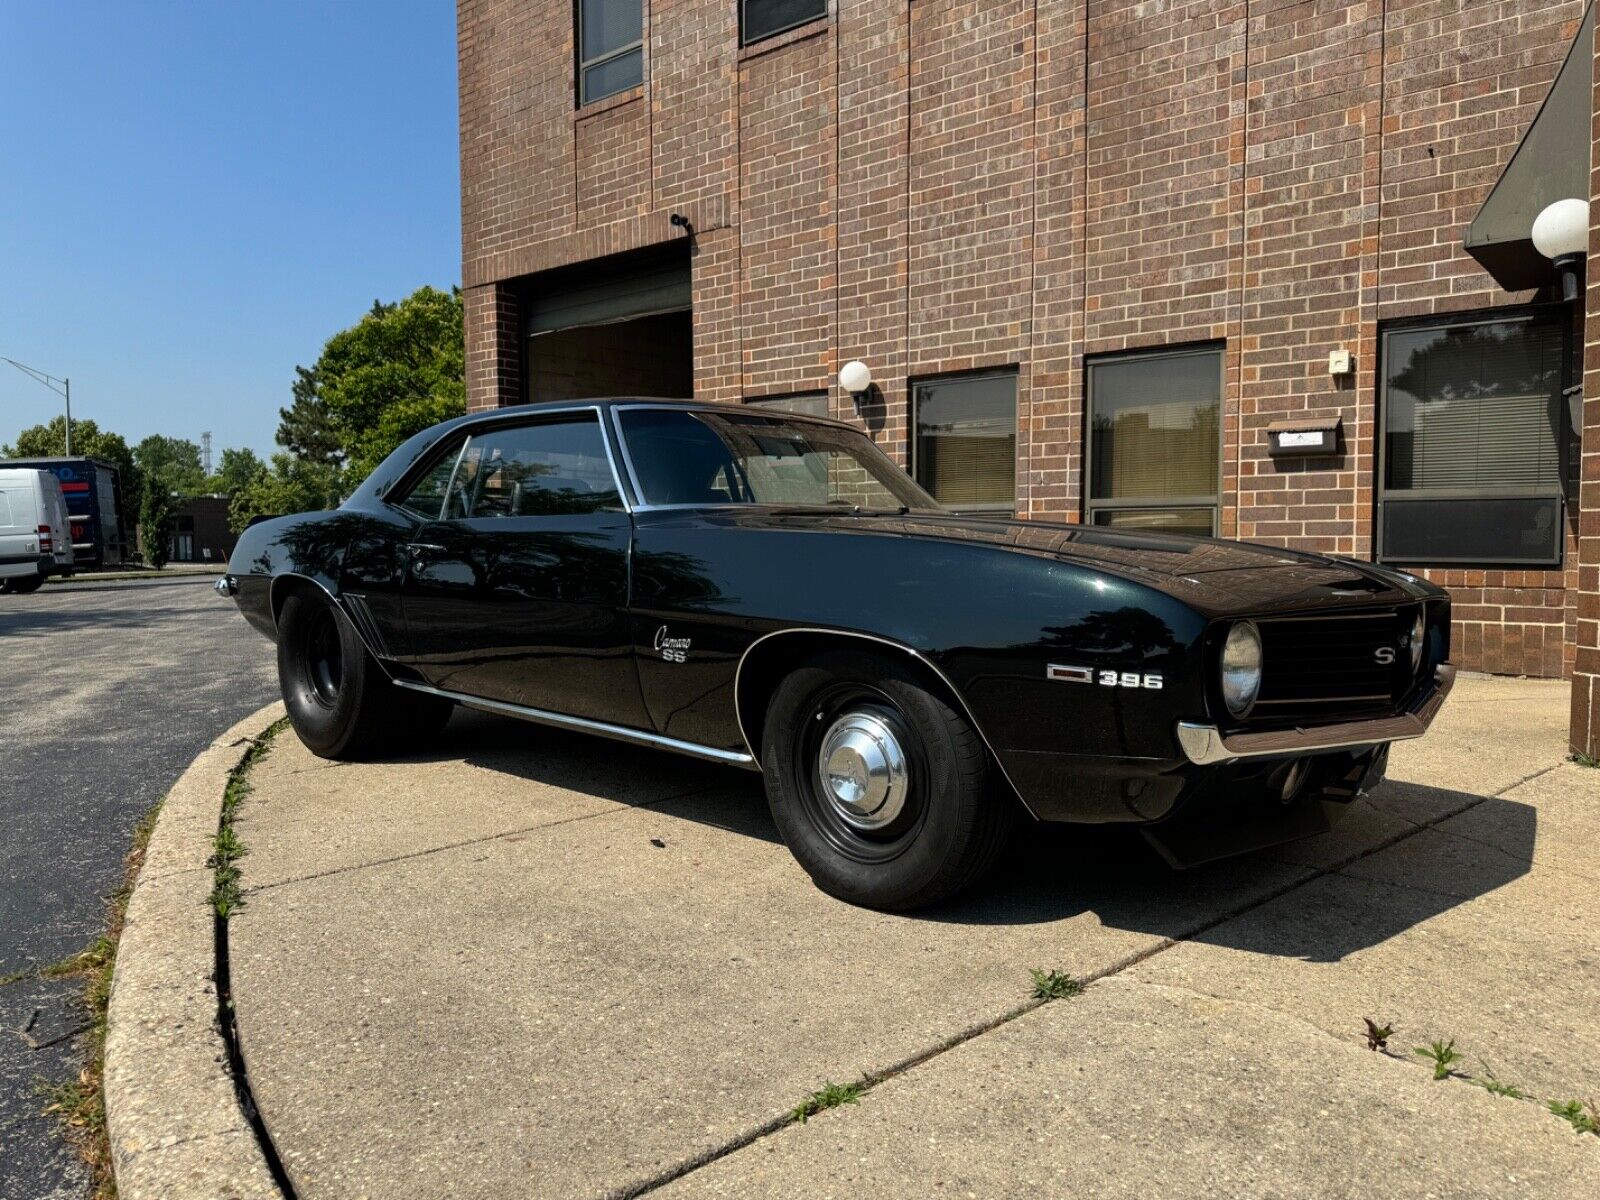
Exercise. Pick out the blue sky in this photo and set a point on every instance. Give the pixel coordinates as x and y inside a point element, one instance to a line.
<point>194,196</point>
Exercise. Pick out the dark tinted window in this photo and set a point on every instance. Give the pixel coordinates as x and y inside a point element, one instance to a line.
<point>426,497</point>
<point>966,440</point>
<point>763,18</point>
<point>1155,440</point>
<point>1474,432</point>
<point>554,468</point>
<point>681,457</point>
<point>610,47</point>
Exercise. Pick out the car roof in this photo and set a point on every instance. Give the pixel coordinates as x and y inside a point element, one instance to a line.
<point>512,411</point>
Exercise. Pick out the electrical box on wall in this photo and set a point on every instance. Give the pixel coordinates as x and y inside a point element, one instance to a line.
<point>1338,362</point>
<point>1306,437</point>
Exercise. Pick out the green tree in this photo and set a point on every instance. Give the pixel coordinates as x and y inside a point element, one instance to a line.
<point>155,520</point>
<point>235,470</point>
<point>50,441</point>
<point>398,370</point>
<point>305,428</point>
<point>290,485</point>
<point>173,462</point>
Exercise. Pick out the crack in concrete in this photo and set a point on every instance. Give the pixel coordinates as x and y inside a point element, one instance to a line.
<point>871,1080</point>
<point>481,841</point>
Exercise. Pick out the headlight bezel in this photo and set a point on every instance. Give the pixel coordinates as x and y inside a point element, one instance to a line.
<point>1248,638</point>
<point>1419,639</point>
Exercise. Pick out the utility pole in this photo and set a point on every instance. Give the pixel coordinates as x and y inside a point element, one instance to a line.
<point>61,387</point>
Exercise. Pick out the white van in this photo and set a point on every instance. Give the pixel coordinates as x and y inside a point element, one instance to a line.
<point>35,534</point>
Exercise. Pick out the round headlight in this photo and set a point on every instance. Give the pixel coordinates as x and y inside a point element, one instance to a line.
<point>1419,635</point>
<point>1241,668</point>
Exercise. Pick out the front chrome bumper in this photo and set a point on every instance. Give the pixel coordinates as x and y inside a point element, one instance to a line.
<point>226,586</point>
<point>1206,744</point>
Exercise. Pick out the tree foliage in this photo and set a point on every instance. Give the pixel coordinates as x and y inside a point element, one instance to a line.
<point>172,463</point>
<point>289,485</point>
<point>396,371</point>
<point>50,441</point>
<point>155,516</point>
<point>305,428</point>
<point>235,470</point>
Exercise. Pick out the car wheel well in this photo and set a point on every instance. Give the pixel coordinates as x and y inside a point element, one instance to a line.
<point>771,658</point>
<point>284,586</point>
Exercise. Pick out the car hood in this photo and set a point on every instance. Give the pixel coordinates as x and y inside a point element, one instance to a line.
<point>1212,576</point>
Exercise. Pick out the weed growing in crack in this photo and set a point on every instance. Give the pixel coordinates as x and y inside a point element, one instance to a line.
<point>1582,1115</point>
<point>1584,760</point>
<point>1378,1035</point>
<point>227,897</point>
<point>1443,1056</point>
<point>1496,1087</point>
<point>1054,985</point>
<point>831,1095</point>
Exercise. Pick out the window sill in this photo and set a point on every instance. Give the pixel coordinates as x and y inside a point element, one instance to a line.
<point>813,28</point>
<point>606,103</point>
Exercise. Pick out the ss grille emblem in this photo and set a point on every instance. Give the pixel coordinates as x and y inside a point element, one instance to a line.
<point>1384,654</point>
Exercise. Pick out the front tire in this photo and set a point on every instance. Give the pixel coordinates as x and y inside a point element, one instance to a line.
<point>339,701</point>
<point>880,789</point>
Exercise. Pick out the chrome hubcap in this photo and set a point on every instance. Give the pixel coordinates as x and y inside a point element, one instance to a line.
<point>862,770</point>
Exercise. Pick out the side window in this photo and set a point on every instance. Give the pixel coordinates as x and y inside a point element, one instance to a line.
<point>555,468</point>
<point>427,495</point>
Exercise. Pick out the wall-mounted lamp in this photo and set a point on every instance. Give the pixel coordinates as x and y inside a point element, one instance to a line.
<point>680,221</point>
<point>1561,234</point>
<point>855,377</point>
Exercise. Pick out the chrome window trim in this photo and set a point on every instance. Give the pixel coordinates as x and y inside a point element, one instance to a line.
<point>542,716</point>
<point>882,641</point>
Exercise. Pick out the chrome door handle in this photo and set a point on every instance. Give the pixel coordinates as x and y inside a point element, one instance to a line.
<point>420,548</point>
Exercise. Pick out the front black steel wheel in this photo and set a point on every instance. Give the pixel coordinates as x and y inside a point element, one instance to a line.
<point>880,789</point>
<point>339,701</point>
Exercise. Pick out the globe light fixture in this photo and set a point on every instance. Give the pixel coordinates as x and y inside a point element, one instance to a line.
<point>1561,234</point>
<point>855,377</point>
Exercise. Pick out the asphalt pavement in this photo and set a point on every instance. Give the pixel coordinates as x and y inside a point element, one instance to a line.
<point>107,690</point>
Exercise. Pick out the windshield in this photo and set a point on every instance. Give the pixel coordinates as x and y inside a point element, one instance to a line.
<point>684,457</point>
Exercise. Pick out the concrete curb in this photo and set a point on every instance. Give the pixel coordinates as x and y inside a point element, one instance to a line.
<point>172,1113</point>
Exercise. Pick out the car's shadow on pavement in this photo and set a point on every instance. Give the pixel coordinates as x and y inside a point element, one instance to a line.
<point>1400,872</point>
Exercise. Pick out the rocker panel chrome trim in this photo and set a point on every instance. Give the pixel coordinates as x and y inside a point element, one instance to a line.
<point>621,733</point>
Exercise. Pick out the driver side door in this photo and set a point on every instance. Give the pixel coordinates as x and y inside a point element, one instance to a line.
<point>518,592</point>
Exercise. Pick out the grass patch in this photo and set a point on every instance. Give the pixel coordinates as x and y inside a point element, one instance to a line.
<point>1584,760</point>
<point>1378,1035</point>
<point>831,1095</point>
<point>1582,1115</point>
<point>226,848</point>
<point>1054,985</point>
<point>79,1104</point>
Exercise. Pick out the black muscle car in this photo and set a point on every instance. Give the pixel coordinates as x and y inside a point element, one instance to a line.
<point>772,592</point>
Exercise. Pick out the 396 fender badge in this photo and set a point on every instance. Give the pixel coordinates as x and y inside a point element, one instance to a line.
<point>1061,673</point>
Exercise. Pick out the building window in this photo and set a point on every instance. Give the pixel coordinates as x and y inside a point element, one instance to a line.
<point>1473,440</point>
<point>610,47</point>
<point>964,453</point>
<point>807,404</point>
<point>1155,440</point>
<point>766,18</point>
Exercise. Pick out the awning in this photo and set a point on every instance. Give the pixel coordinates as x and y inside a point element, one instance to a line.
<point>1551,163</point>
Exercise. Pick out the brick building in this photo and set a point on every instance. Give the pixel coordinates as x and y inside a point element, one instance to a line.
<point>1104,260</point>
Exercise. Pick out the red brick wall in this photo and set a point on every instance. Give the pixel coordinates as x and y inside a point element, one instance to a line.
<point>946,184</point>
<point>1585,729</point>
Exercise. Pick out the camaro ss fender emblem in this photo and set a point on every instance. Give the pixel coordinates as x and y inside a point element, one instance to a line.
<point>1128,679</point>
<point>1384,654</point>
<point>670,648</point>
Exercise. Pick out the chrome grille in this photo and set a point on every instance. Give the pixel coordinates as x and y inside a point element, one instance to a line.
<point>1328,668</point>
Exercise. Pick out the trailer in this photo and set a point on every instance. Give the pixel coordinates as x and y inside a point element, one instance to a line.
<point>93,491</point>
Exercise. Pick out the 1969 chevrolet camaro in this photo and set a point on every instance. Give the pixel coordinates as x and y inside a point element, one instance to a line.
<point>772,592</point>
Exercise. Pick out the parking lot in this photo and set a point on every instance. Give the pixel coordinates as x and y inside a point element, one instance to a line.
<point>107,690</point>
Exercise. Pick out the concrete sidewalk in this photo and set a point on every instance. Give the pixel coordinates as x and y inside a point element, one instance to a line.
<point>528,963</point>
